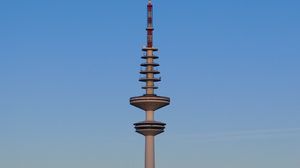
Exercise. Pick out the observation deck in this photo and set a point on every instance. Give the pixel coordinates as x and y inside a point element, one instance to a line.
<point>149,127</point>
<point>149,102</point>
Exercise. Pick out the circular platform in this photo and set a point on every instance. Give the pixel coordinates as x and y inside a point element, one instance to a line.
<point>149,127</point>
<point>150,103</point>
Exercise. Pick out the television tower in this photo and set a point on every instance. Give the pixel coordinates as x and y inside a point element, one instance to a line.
<point>149,102</point>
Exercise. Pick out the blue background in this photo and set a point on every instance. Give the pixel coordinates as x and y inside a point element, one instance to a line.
<point>68,68</point>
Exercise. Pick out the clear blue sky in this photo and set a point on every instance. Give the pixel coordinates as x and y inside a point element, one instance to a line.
<point>68,68</point>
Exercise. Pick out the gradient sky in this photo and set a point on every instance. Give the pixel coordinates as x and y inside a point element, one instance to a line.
<point>68,68</point>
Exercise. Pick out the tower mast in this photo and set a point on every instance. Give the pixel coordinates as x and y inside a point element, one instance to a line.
<point>149,102</point>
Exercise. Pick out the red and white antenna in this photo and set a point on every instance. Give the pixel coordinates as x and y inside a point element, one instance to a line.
<point>149,24</point>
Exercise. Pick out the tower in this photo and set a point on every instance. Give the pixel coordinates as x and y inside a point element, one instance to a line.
<point>149,102</point>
